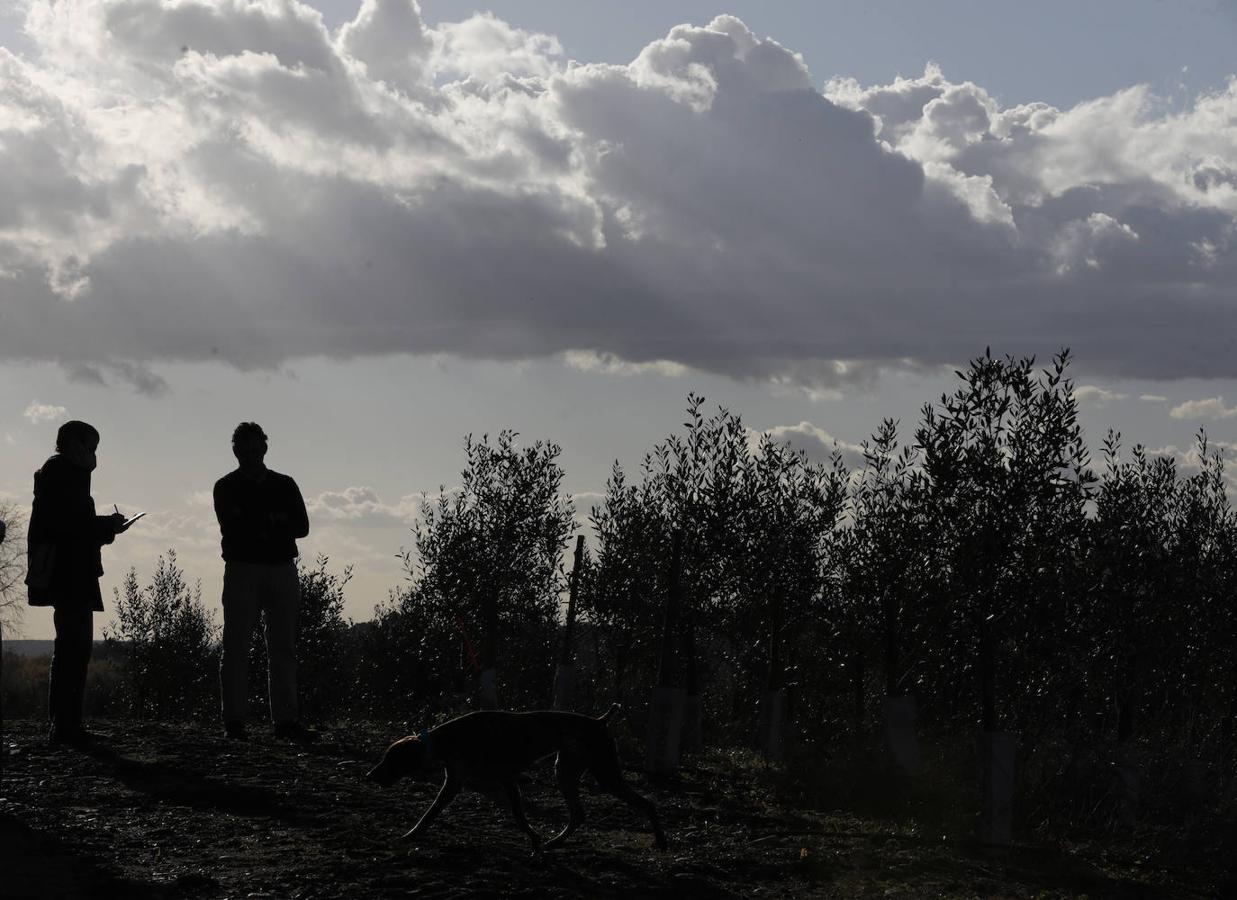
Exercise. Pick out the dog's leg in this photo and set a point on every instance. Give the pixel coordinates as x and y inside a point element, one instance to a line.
<point>567,772</point>
<point>610,778</point>
<point>625,793</point>
<point>446,794</point>
<point>517,810</point>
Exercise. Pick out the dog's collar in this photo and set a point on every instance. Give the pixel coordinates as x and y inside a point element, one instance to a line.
<point>424,738</point>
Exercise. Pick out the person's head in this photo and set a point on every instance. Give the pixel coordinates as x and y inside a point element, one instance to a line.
<point>77,442</point>
<point>249,445</point>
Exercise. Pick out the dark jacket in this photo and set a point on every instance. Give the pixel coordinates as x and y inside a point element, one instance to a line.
<point>66,536</point>
<point>260,520</point>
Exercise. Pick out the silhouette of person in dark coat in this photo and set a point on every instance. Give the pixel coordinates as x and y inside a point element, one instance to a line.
<point>65,561</point>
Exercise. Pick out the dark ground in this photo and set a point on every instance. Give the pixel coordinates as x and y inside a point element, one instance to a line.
<point>159,810</point>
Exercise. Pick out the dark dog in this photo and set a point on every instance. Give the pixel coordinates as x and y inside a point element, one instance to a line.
<point>491,748</point>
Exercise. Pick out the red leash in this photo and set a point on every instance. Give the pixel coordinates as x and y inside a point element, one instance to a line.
<point>472,652</point>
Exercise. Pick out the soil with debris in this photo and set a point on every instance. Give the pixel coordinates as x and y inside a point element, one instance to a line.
<point>163,810</point>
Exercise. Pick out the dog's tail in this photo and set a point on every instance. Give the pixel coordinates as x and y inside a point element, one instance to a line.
<point>614,708</point>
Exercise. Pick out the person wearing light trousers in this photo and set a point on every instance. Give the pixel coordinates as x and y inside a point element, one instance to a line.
<point>261,515</point>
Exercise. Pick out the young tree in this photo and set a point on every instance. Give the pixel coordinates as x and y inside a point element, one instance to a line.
<point>488,567</point>
<point>790,513</point>
<point>169,639</point>
<point>1162,585</point>
<point>883,551</point>
<point>753,524</point>
<point>622,591</point>
<point>1206,547</point>
<point>325,667</point>
<point>694,486</point>
<point>416,657</point>
<point>12,568</point>
<point>888,581</point>
<point>325,658</point>
<point>1007,481</point>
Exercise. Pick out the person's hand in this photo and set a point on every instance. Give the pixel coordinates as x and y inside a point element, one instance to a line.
<point>118,521</point>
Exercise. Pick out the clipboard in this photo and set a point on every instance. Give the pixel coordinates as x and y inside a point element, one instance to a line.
<point>129,521</point>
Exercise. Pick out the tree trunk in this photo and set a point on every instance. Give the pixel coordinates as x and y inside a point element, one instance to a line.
<point>489,655</point>
<point>622,653</point>
<point>666,706</point>
<point>987,671</point>
<point>1127,705</point>
<point>890,622</point>
<point>771,722</point>
<point>1125,716</point>
<point>692,737</point>
<point>996,762</point>
<point>858,674</point>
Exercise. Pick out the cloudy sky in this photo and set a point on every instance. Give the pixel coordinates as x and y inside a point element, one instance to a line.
<point>377,226</point>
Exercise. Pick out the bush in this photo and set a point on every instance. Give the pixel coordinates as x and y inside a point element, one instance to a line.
<point>12,568</point>
<point>168,638</point>
<point>487,574</point>
<point>23,685</point>
<point>326,662</point>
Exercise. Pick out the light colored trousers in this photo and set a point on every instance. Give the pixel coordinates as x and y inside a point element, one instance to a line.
<point>275,591</point>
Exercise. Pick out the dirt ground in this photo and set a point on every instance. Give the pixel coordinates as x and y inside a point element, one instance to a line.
<point>157,810</point>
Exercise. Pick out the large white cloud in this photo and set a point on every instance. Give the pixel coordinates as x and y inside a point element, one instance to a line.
<point>38,413</point>
<point>1209,408</point>
<point>188,179</point>
<point>817,444</point>
<point>363,506</point>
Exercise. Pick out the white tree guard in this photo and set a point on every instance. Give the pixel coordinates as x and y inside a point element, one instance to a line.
<point>996,772</point>
<point>665,730</point>
<point>771,725</point>
<point>564,687</point>
<point>901,739</point>
<point>489,688</point>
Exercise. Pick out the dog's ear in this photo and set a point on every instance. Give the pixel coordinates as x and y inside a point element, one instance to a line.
<point>407,754</point>
<point>399,759</point>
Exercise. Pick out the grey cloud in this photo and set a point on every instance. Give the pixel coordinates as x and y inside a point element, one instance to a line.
<point>83,374</point>
<point>138,376</point>
<point>272,192</point>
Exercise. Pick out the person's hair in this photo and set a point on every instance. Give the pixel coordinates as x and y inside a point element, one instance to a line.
<point>247,430</point>
<point>75,431</point>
